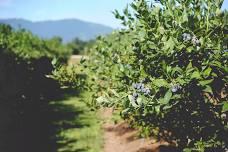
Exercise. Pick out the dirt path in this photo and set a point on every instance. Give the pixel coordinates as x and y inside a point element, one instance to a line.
<point>120,138</point>
<point>75,59</point>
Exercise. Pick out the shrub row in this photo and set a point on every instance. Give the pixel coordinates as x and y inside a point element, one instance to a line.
<point>167,71</point>
<point>25,60</point>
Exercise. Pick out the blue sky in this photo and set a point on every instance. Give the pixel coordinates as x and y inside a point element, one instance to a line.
<point>98,11</point>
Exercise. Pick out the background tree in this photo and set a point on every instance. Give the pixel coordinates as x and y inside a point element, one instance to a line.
<point>78,46</point>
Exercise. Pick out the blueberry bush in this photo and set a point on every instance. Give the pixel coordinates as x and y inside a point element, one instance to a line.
<point>25,60</point>
<point>68,76</point>
<point>167,71</point>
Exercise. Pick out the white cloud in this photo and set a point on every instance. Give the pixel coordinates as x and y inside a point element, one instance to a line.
<point>5,2</point>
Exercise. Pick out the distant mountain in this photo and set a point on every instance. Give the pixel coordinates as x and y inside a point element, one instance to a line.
<point>67,29</point>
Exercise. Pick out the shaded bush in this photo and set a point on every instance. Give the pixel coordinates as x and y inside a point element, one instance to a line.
<point>25,91</point>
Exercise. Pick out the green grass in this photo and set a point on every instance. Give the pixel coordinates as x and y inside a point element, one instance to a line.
<point>79,130</point>
<point>116,118</point>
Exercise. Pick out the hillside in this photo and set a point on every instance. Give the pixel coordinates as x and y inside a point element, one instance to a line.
<point>66,28</point>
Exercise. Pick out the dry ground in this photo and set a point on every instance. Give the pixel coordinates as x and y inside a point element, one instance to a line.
<point>120,138</point>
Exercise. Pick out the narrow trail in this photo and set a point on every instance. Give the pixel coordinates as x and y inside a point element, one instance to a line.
<point>75,59</point>
<point>120,138</point>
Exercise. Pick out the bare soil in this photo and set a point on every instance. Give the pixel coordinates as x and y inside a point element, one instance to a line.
<point>75,59</point>
<point>121,138</point>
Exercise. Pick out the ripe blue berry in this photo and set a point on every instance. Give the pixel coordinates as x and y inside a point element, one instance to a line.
<point>140,87</point>
<point>186,37</point>
<point>135,95</point>
<point>147,91</point>
<point>175,88</point>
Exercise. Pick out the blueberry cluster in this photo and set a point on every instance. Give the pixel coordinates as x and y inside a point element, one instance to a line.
<point>140,87</point>
<point>193,39</point>
<point>175,88</point>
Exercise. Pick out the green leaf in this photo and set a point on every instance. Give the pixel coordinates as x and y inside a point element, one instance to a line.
<point>218,11</point>
<point>176,96</point>
<point>160,83</point>
<point>216,63</point>
<point>142,35</point>
<point>126,12</point>
<point>157,109</point>
<point>176,70</point>
<point>82,60</point>
<point>167,107</point>
<point>121,68</point>
<point>196,75</point>
<point>207,72</point>
<point>125,111</point>
<point>208,89</point>
<point>102,100</point>
<point>115,93</point>
<point>187,150</point>
<point>190,49</point>
<point>180,81</point>
<point>214,74</point>
<point>167,97</point>
<point>140,101</point>
<point>169,45</point>
<point>180,47</point>
<point>225,107</point>
<point>189,66</point>
<point>133,103</point>
<point>161,30</point>
<point>168,69</point>
<point>185,16</point>
<point>205,82</point>
<point>54,61</point>
<point>125,103</point>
